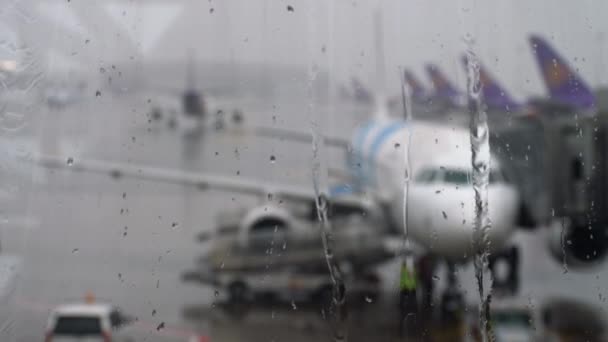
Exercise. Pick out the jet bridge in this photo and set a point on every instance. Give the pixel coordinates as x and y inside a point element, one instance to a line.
<point>558,159</point>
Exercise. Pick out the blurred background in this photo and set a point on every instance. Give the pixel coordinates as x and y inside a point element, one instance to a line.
<point>278,170</point>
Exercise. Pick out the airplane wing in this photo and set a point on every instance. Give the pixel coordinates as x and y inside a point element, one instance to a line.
<point>297,136</point>
<point>201,181</point>
<point>283,134</point>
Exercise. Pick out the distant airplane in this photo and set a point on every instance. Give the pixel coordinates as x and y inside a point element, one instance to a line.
<point>418,93</point>
<point>495,97</point>
<point>187,109</point>
<point>564,84</point>
<point>356,92</point>
<point>444,91</point>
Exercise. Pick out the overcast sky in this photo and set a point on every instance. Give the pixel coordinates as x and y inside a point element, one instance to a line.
<point>335,35</point>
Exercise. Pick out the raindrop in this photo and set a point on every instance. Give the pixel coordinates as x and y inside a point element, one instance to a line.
<point>70,161</point>
<point>563,243</point>
<point>153,312</point>
<point>293,305</point>
<point>75,250</point>
<point>124,195</point>
<point>445,216</point>
<point>289,8</point>
<point>436,278</point>
<point>102,70</point>
<point>368,299</point>
<point>216,293</point>
<point>174,224</point>
<point>269,197</point>
<point>397,145</point>
<point>272,159</point>
<point>211,10</point>
<point>161,326</point>
<point>98,93</point>
<point>480,161</point>
<point>87,41</point>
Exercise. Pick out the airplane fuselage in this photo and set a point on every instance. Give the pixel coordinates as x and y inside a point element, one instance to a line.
<point>441,208</point>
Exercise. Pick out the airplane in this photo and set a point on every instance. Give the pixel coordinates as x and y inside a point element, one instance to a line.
<point>445,93</point>
<point>441,210</point>
<point>564,85</point>
<point>356,92</point>
<point>566,88</point>
<point>495,97</point>
<point>187,110</point>
<point>418,93</point>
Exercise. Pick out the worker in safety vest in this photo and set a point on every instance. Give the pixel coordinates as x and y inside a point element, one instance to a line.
<point>408,303</point>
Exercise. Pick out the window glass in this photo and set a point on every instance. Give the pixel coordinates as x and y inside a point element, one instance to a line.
<point>267,170</point>
<point>77,326</point>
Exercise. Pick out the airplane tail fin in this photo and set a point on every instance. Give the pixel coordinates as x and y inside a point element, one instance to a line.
<point>443,87</point>
<point>494,95</point>
<point>563,83</point>
<point>361,93</point>
<point>418,91</point>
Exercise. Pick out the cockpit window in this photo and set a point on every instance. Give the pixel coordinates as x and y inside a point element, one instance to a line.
<point>458,177</point>
<point>426,176</point>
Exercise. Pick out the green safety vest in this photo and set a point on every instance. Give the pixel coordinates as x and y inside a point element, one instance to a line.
<point>407,280</point>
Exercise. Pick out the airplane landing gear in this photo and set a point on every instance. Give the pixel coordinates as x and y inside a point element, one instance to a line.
<point>452,299</point>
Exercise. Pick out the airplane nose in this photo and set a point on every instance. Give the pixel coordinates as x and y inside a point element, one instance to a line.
<point>446,222</point>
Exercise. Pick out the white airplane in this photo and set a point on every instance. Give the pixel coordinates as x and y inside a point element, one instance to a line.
<point>441,198</point>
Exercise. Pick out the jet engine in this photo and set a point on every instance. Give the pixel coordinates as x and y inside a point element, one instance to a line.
<point>261,225</point>
<point>578,244</point>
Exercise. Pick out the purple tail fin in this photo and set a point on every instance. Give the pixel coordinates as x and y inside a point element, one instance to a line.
<point>443,88</point>
<point>494,95</point>
<point>564,84</point>
<point>418,91</point>
<point>360,92</point>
